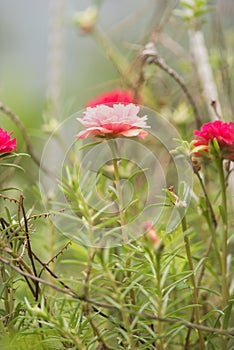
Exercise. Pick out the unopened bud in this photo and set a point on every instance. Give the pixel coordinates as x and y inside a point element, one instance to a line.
<point>86,19</point>
<point>51,126</point>
<point>151,234</point>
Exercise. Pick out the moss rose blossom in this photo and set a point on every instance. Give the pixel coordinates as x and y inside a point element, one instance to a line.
<point>6,143</point>
<point>113,121</point>
<point>113,96</point>
<point>222,132</point>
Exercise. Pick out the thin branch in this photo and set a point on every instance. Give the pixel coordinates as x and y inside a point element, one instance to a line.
<point>50,272</point>
<point>25,229</point>
<point>150,55</point>
<point>45,265</point>
<point>9,198</point>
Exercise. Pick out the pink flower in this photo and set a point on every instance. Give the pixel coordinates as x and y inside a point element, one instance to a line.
<point>113,121</point>
<point>113,96</point>
<point>6,143</point>
<point>222,132</point>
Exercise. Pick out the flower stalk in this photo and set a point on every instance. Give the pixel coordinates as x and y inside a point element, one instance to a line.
<point>224,216</point>
<point>113,148</point>
<point>193,280</point>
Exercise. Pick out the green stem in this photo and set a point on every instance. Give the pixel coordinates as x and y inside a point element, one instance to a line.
<point>225,232</point>
<point>193,280</point>
<point>211,220</point>
<point>122,309</point>
<point>113,147</point>
<point>160,297</point>
<point>5,293</point>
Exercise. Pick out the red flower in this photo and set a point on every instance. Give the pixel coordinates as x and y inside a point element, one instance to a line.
<point>113,96</point>
<point>6,143</point>
<point>222,132</point>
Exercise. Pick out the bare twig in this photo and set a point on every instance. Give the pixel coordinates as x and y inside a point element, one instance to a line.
<point>45,265</point>
<point>10,199</point>
<point>150,55</point>
<point>25,229</point>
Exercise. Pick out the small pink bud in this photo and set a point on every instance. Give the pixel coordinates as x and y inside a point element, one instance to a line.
<point>151,233</point>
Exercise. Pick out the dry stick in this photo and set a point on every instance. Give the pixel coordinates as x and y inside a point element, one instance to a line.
<point>150,55</point>
<point>26,137</point>
<point>112,307</point>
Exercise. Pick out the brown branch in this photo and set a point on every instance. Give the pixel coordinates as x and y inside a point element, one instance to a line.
<point>150,55</point>
<point>25,229</point>
<point>8,198</point>
<point>45,265</point>
<point>50,272</point>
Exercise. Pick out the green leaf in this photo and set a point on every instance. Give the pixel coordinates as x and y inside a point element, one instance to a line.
<point>216,146</point>
<point>90,145</point>
<point>211,313</point>
<point>10,165</point>
<point>10,189</point>
<point>227,314</point>
<point>223,214</point>
<point>210,291</point>
<point>182,309</point>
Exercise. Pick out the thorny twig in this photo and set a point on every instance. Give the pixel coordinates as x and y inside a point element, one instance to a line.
<point>45,265</point>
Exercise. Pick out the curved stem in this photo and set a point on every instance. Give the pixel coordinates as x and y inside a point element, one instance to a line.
<point>224,215</point>
<point>160,299</point>
<point>113,147</point>
<point>150,55</point>
<point>193,281</point>
<point>212,222</point>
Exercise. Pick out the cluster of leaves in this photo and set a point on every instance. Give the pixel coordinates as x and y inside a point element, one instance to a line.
<point>125,297</point>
